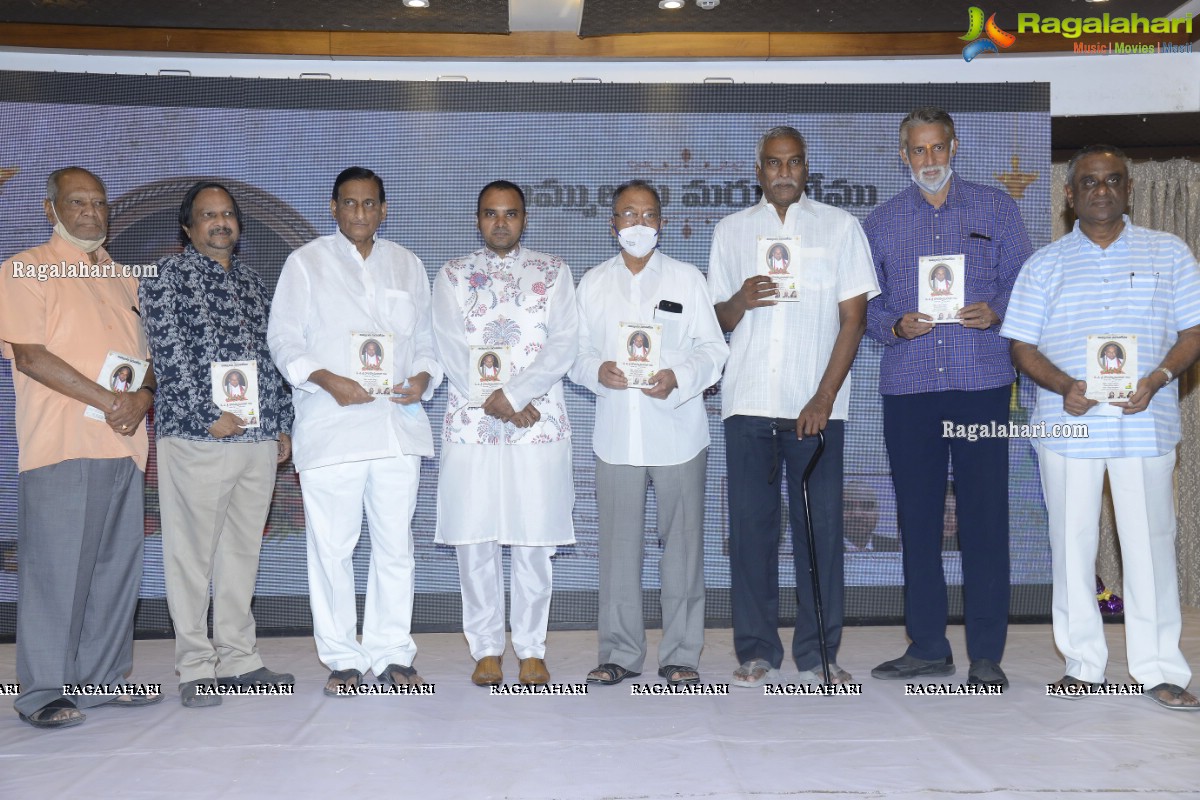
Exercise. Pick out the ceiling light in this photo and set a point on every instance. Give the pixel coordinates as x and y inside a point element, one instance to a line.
<point>670,4</point>
<point>417,3</point>
<point>708,5</point>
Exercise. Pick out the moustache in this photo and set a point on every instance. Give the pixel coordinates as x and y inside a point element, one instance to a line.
<point>218,231</point>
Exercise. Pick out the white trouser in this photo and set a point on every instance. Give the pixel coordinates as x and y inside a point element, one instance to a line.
<point>1145,512</point>
<point>481,572</point>
<point>334,497</point>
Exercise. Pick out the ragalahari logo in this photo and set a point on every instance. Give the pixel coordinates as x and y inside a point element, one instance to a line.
<point>990,31</point>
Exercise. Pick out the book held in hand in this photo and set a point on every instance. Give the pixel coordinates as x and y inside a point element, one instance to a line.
<point>1112,367</point>
<point>235,389</point>
<point>120,374</point>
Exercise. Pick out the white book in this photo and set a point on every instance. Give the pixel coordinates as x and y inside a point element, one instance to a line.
<point>235,389</point>
<point>638,346</point>
<point>941,287</point>
<point>778,257</point>
<point>1112,367</point>
<point>489,372</point>
<point>120,374</point>
<point>371,362</point>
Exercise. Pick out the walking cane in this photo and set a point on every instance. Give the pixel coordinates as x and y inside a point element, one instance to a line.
<point>812,556</point>
<point>776,427</point>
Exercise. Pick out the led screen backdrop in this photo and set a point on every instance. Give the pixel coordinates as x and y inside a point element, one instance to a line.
<point>279,144</point>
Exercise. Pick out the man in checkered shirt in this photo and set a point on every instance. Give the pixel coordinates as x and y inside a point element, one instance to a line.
<point>958,372</point>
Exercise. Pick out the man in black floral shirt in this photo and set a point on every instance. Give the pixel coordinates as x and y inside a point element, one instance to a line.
<point>206,316</point>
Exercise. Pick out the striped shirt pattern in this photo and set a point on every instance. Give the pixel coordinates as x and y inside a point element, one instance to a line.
<point>1146,283</point>
<point>980,222</point>
<point>779,353</point>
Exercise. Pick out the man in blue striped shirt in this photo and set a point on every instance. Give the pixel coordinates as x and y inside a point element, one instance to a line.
<point>959,372</point>
<point>1109,277</point>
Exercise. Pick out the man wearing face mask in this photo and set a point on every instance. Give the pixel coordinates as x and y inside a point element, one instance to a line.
<point>948,372</point>
<point>657,434</point>
<point>786,381</point>
<point>79,502</point>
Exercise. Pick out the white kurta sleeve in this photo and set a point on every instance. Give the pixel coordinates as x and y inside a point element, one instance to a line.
<point>702,368</point>
<point>424,356</point>
<point>558,354</point>
<point>449,336</point>
<point>586,369</point>
<point>286,326</point>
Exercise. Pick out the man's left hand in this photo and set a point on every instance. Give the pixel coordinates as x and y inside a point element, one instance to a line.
<point>497,406</point>
<point>1146,389</point>
<point>128,410</point>
<point>665,382</point>
<point>813,417</point>
<point>285,448</point>
<point>979,316</point>
<point>526,417</point>
<point>408,395</point>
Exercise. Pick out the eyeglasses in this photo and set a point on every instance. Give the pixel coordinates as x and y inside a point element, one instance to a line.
<point>629,215</point>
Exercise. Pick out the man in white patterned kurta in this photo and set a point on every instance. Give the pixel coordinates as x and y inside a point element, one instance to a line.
<point>506,467</point>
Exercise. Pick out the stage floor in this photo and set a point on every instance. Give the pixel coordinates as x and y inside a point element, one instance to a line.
<point>463,742</point>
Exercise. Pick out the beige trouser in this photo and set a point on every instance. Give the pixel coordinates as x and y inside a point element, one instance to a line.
<point>214,499</point>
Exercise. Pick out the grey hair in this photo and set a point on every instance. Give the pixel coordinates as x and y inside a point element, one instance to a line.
<point>925,115</point>
<point>53,179</point>
<point>780,132</point>
<point>1094,149</point>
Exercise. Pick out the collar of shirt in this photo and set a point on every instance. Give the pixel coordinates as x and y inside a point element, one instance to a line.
<point>340,240</point>
<point>803,205</point>
<point>62,247</point>
<point>211,267</point>
<point>498,263</point>
<point>1121,243</point>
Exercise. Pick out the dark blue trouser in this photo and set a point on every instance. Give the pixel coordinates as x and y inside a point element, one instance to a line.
<point>919,455</point>
<point>751,451</point>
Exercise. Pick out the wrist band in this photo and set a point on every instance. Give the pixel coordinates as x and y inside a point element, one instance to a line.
<point>1170,375</point>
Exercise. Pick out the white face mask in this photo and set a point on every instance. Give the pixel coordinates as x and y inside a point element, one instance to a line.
<point>933,184</point>
<point>86,245</point>
<point>638,240</point>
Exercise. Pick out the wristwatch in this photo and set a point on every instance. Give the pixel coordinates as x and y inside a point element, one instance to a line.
<point>1170,375</point>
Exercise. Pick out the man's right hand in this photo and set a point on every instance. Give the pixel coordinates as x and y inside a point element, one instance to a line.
<point>913,324</point>
<point>610,375</point>
<point>1074,402</point>
<point>226,425</point>
<point>345,391</point>
<point>757,291</point>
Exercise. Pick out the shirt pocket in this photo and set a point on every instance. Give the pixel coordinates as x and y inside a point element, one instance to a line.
<point>399,311</point>
<point>817,272</point>
<point>981,269</point>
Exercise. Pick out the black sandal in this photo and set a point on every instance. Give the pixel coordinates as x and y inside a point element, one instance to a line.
<point>44,716</point>
<point>408,674</point>
<point>349,679</point>
<point>615,672</point>
<point>685,675</point>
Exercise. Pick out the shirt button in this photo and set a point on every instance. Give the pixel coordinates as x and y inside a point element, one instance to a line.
<point>941,369</point>
<point>939,341</point>
<point>1106,308</point>
<point>1106,280</point>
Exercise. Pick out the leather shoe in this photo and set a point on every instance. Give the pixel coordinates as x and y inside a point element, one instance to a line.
<point>533,672</point>
<point>259,677</point>
<point>487,672</point>
<point>907,666</point>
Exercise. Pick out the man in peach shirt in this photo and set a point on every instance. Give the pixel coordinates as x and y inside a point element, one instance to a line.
<point>80,502</point>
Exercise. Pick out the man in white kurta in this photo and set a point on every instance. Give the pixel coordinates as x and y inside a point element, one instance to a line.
<point>506,467</point>
<point>658,433</point>
<point>354,449</point>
